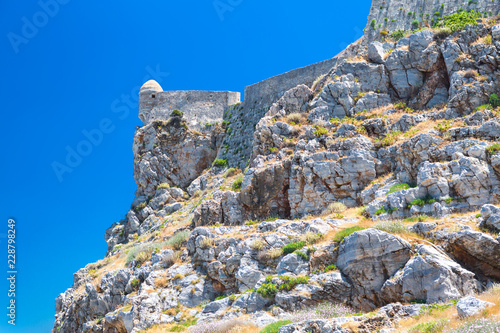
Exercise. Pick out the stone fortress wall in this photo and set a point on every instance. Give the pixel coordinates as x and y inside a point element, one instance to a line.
<point>237,147</point>
<point>199,107</point>
<point>202,107</point>
<point>391,15</point>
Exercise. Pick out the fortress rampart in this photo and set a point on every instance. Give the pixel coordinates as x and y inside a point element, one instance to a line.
<point>199,107</point>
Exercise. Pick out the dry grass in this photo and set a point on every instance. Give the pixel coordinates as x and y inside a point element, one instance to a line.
<point>161,282</point>
<point>492,296</point>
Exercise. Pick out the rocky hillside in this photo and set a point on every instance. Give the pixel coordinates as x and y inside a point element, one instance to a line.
<point>370,203</point>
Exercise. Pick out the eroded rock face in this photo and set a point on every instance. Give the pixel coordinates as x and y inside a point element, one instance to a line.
<point>477,251</point>
<point>369,258</point>
<point>168,152</point>
<point>301,164</point>
<point>430,276</point>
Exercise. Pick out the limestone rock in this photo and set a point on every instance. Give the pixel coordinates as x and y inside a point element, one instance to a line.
<point>430,276</point>
<point>470,306</point>
<point>368,258</point>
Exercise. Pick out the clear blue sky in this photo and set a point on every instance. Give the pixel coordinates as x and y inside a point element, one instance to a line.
<point>70,71</point>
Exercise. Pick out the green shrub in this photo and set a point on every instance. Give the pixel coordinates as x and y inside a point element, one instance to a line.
<point>415,24</point>
<point>320,131</point>
<point>429,327</point>
<point>373,23</point>
<point>177,239</point>
<point>292,247</point>
<point>422,202</point>
<point>419,218</point>
<point>268,290</point>
<point>493,149</point>
<point>399,187</point>
<point>291,282</point>
<point>448,200</point>
<point>330,268</point>
<point>339,236</point>
<point>458,21</point>
<point>220,163</point>
<point>398,34</point>
<point>135,283</point>
<point>177,113</point>
<point>301,255</point>
<point>388,140</point>
<point>275,327</point>
<point>418,202</point>
<point>237,184</point>
<point>182,327</point>
<point>494,100</point>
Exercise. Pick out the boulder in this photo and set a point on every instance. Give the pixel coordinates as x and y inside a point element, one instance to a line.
<point>429,276</point>
<point>368,258</point>
<point>471,306</point>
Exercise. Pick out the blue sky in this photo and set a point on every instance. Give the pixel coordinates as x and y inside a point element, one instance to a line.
<point>78,70</point>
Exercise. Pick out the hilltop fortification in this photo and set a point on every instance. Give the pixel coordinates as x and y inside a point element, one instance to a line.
<point>354,188</point>
<point>200,107</point>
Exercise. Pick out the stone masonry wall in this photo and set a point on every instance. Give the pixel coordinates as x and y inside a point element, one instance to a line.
<point>391,15</point>
<point>242,118</point>
<point>199,107</point>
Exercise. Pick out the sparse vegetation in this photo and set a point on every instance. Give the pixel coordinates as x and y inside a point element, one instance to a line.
<point>388,140</point>
<point>275,253</point>
<point>422,202</point>
<point>493,149</point>
<point>275,327</point>
<point>399,187</point>
<point>398,34</point>
<point>320,131</point>
<point>436,326</point>
<point>177,113</point>
<point>287,283</point>
<point>311,237</point>
<point>257,245</point>
<point>236,186</point>
<point>163,186</point>
<point>336,208</point>
<point>220,163</point>
<point>494,100</point>
<point>419,218</point>
<point>393,227</point>
<point>339,236</point>
<point>458,21</point>
<point>292,247</point>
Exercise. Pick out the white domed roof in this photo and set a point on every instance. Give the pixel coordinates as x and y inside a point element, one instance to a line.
<point>151,85</point>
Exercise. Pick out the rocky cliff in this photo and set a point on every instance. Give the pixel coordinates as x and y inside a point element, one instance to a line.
<point>370,199</point>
